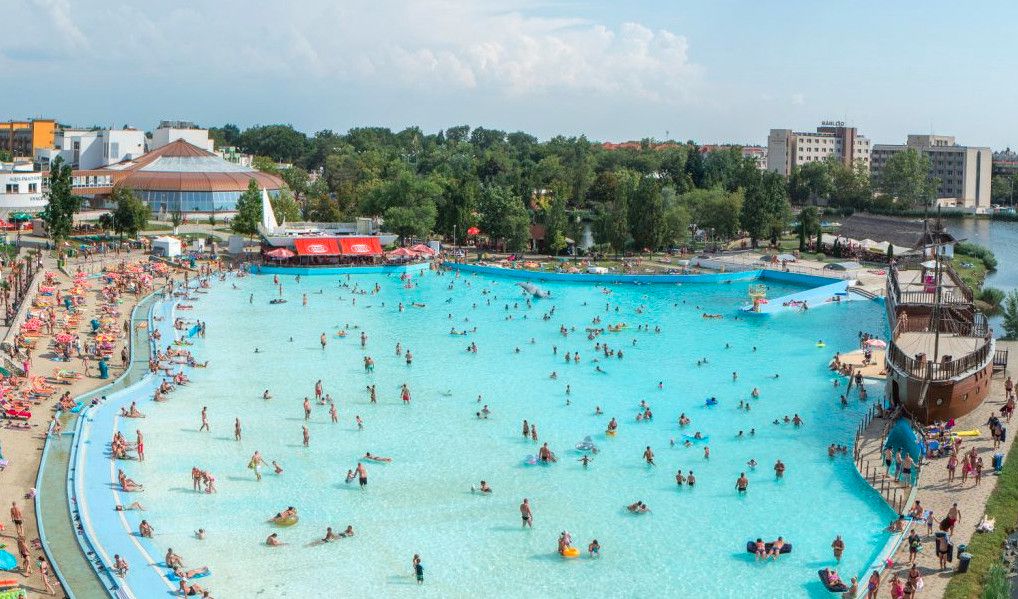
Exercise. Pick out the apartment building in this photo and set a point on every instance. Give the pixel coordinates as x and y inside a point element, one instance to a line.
<point>787,149</point>
<point>964,172</point>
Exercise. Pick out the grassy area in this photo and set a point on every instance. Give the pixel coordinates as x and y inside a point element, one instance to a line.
<point>986,547</point>
<point>971,269</point>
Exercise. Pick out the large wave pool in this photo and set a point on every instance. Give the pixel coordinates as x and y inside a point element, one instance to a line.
<point>693,541</point>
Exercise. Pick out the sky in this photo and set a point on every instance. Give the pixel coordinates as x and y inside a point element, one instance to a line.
<point>714,71</point>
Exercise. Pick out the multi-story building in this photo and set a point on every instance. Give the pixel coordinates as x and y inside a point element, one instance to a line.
<point>21,189</point>
<point>787,149</point>
<point>88,149</point>
<point>170,131</point>
<point>964,172</point>
<point>23,138</point>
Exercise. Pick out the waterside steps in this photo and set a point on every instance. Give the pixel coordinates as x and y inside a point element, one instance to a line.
<point>870,438</point>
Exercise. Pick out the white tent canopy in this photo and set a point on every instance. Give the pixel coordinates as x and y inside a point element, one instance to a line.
<point>167,247</point>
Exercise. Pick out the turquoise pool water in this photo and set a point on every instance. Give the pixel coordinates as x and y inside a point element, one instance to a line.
<point>691,544</point>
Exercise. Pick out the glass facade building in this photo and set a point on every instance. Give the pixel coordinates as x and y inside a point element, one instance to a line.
<point>192,201</point>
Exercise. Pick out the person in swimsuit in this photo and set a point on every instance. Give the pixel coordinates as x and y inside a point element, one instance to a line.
<point>526,513</point>
<point>873,585</point>
<point>594,549</point>
<point>362,475</point>
<point>742,484</point>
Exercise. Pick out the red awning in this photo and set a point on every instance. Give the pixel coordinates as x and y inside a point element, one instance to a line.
<point>317,246</point>
<point>360,246</point>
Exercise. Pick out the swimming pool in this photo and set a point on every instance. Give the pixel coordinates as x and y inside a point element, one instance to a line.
<point>692,542</point>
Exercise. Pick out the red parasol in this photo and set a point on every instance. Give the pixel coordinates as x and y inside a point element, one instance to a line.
<point>473,231</point>
<point>402,253</point>
<point>280,254</point>
<point>420,248</point>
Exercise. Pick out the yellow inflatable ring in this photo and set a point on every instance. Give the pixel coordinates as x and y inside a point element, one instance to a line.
<point>570,552</point>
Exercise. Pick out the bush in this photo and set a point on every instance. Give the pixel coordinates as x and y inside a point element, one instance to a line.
<point>992,296</point>
<point>978,252</point>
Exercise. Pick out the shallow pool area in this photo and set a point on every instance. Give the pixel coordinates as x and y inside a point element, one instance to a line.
<point>691,543</point>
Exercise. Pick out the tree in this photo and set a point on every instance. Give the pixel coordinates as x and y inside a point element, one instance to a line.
<point>715,210</point>
<point>646,215</point>
<point>504,217</point>
<point>809,222</point>
<point>285,207</point>
<point>298,180</point>
<point>411,221</point>
<point>131,213</point>
<point>265,165</point>
<point>106,221</point>
<point>555,222</point>
<point>810,182</point>
<point>176,219</point>
<point>1011,315</point>
<point>850,186</point>
<point>225,136</point>
<point>249,210</point>
<point>212,219</point>
<point>281,143</point>
<point>61,204</point>
<point>906,178</point>
<point>612,208</point>
<point>677,218</point>
<point>765,209</point>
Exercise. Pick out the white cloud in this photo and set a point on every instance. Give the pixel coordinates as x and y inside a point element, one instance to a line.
<point>485,45</point>
<point>798,99</point>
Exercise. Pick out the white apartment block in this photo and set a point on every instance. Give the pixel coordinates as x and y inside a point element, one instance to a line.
<point>169,131</point>
<point>89,149</point>
<point>787,149</point>
<point>964,172</point>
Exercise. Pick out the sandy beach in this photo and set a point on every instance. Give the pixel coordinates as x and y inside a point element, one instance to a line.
<point>23,448</point>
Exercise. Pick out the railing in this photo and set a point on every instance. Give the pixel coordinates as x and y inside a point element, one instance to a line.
<point>978,327</point>
<point>959,294</point>
<point>894,491</point>
<point>938,371</point>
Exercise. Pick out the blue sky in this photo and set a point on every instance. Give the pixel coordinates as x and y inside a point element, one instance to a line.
<point>713,71</point>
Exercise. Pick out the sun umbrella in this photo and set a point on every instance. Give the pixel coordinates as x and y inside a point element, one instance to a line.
<point>420,248</point>
<point>402,253</point>
<point>473,231</point>
<point>64,338</point>
<point>878,343</point>
<point>280,254</point>
<point>21,216</point>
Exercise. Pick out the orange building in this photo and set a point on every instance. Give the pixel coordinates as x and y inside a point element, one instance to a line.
<point>23,138</point>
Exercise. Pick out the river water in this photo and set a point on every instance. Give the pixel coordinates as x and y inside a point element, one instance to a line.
<point>1002,238</point>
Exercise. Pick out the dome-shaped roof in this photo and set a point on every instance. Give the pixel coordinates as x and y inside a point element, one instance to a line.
<point>181,166</point>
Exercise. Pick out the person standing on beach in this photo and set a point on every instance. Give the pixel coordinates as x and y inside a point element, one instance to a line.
<point>236,429</point>
<point>307,409</point>
<point>18,518</point>
<point>307,436</point>
<point>333,414</point>
<point>139,445</point>
<point>204,420</point>
<point>255,463</point>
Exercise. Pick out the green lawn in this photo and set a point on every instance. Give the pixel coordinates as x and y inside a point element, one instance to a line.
<point>973,272</point>
<point>986,547</point>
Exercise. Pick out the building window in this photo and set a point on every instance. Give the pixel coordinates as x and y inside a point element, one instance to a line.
<point>12,188</point>
<point>33,187</point>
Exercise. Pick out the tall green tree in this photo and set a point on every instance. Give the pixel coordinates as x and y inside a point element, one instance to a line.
<point>810,182</point>
<point>285,207</point>
<point>809,225</point>
<point>715,210</point>
<point>504,217</point>
<point>1010,305</point>
<point>61,204</point>
<point>906,178</point>
<point>611,204</point>
<point>131,214</point>
<point>249,210</point>
<point>850,186</point>
<point>765,208</point>
<point>647,215</point>
<point>281,143</point>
